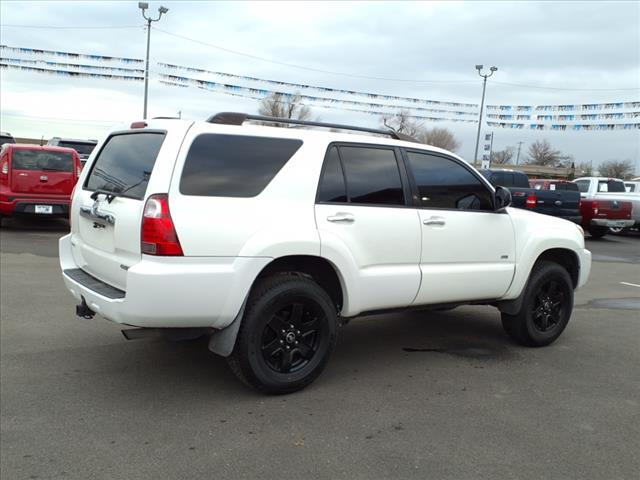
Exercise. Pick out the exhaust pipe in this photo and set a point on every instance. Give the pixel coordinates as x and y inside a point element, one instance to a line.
<point>83,310</point>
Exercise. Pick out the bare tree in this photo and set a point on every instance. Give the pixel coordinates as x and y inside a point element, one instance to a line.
<point>502,157</point>
<point>541,153</point>
<point>402,122</point>
<point>616,169</point>
<point>585,169</point>
<point>440,137</point>
<point>284,106</point>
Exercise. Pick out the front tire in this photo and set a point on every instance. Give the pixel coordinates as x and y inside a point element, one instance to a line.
<point>287,335</point>
<point>546,309</point>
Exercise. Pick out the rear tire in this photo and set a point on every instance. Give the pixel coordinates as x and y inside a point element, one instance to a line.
<point>288,332</point>
<point>546,309</point>
<point>598,232</point>
<point>618,230</point>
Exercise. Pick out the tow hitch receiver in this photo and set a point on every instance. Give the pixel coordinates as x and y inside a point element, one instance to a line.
<point>83,310</point>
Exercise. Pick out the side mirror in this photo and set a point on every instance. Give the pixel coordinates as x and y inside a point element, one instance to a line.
<point>502,198</point>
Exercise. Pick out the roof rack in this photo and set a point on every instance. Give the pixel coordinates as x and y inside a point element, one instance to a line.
<point>237,118</point>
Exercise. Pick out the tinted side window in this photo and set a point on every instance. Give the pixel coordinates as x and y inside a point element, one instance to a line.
<point>443,183</point>
<point>332,187</point>
<point>234,165</point>
<point>372,175</point>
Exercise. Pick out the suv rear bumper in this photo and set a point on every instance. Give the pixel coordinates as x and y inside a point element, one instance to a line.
<point>606,222</point>
<point>167,292</point>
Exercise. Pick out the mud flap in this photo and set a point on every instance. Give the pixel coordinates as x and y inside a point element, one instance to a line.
<point>223,341</point>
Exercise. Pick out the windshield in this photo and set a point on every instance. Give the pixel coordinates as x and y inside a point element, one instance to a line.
<point>41,160</point>
<point>125,163</point>
<point>81,147</point>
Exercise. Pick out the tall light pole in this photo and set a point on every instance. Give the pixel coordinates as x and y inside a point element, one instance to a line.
<point>518,157</point>
<point>143,6</point>
<point>484,86</point>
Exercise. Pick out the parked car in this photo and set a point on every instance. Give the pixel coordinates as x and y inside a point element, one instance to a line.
<point>603,188</point>
<point>270,239</point>
<point>83,147</point>
<point>36,180</point>
<point>597,215</point>
<point>558,202</point>
<point>6,138</point>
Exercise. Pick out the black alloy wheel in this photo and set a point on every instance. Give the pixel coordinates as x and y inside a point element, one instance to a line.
<point>292,336</point>
<point>287,335</point>
<point>546,306</point>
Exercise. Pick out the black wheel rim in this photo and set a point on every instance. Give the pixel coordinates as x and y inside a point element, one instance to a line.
<point>548,306</point>
<point>292,336</point>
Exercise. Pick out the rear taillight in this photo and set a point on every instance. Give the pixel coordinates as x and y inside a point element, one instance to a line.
<point>594,207</point>
<point>531,201</point>
<point>78,171</point>
<point>73,191</point>
<point>4,168</point>
<point>158,235</point>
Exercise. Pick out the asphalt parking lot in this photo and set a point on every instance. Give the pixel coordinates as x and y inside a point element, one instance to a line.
<point>418,395</point>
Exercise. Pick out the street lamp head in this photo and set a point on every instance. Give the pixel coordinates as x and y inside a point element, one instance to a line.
<point>163,10</point>
<point>494,69</point>
<point>143,5</point>
<point>479,67</point>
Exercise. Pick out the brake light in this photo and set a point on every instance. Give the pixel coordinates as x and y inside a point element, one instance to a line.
<point>73,191</point>
<point>4,169</point>
<point>138,125</point>
<point>158,235</point>
<point>531,201</point>
<point>78,171</point>
<point>594,207</point>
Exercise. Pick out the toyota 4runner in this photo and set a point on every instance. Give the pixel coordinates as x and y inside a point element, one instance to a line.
<point>269,239</point>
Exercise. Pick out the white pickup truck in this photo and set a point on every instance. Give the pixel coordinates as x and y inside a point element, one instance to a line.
<point>270,239</point>
<point>603,188</point>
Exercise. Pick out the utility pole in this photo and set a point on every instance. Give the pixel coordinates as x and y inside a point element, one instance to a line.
<point>143,6</point>
<point>519,147</point>
<point>484,86</point>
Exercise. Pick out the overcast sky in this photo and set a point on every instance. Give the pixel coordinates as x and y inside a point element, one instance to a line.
<point>581,52</point>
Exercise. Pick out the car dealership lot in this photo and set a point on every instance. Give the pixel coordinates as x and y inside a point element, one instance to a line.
<point>419,395</point>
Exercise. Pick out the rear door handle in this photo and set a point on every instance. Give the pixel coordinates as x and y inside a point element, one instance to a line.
<point>434,221</point>
<point>341,218</point>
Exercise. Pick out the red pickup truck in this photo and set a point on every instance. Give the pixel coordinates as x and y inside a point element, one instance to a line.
<point>597,215</point>
<point>37,180</point>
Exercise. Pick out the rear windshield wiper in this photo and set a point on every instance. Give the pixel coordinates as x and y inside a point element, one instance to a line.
<point>111,194</point>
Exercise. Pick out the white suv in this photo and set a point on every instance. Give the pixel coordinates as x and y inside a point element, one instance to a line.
<point>269,239</point>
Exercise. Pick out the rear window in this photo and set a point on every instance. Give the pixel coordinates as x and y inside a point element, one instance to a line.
<point>583,185</point>
<point>614,186</point>
<point>565,186</point>
<point>80,147</point>
<point>125,163</point>
<point>41,160</point>
<point>234,165</point>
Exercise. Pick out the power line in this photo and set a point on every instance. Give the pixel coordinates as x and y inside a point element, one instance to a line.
<point>301,67</point>
<point>567,89</point>
<point>60,120</point>
<point>311,69</point>
<point>59,27</point>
